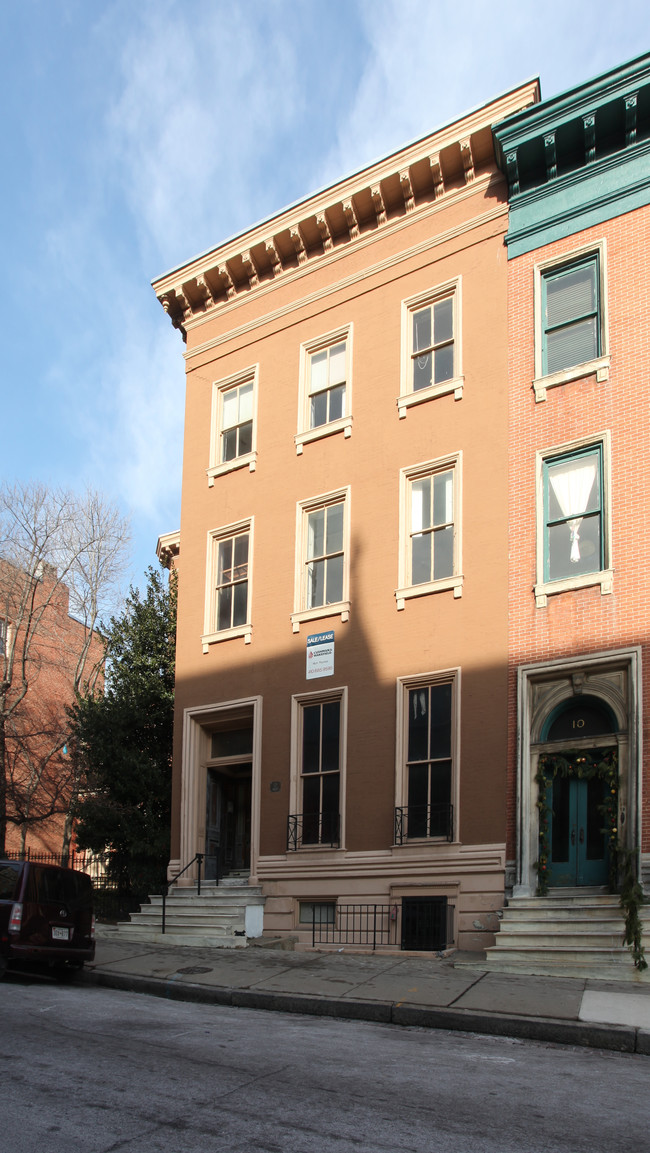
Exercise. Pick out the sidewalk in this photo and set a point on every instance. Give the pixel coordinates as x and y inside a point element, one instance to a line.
<point>402,990</point>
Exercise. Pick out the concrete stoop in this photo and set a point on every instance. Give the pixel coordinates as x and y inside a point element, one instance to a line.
<point>575,933</point>
<point>223,916</point>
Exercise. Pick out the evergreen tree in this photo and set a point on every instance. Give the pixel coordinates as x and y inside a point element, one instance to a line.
<point>124,739</point>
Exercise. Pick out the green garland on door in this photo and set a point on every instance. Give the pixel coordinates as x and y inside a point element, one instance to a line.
<point>586,767</point>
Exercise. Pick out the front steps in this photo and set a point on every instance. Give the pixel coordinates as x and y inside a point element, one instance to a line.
<point>222,917</point>
<point>569,933</point>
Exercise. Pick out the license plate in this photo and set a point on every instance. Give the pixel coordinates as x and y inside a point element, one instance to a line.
<point>60,934</point>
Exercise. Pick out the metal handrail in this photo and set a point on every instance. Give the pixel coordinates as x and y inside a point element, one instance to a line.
<point>165,893</point>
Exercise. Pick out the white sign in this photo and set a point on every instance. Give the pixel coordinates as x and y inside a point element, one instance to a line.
<point>320,655</point>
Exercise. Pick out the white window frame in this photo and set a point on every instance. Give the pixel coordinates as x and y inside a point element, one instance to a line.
<point>404,685</point>
<point>407,397</point>
<point>215,537</point>
<point>406,589</point>
<point>340,608</point>
<point>305,433</point>
<point>599,365</point>
<point>298,702</point>
<point>604,578</point>
<point>218,467</point>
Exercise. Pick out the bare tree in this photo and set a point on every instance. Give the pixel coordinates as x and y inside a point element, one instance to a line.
<point>62,563</point>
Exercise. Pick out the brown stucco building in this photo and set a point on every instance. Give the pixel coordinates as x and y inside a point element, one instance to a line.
<point>342,654</point>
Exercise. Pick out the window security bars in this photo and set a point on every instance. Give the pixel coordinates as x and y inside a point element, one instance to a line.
<point>313,829</point>
<point>423,924</point>
<point>413,821</point>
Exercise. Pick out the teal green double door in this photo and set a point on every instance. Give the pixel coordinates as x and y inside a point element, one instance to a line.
<point>577,839</point>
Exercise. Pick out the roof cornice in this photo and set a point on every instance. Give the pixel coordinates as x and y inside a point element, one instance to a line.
<point>406,182</point>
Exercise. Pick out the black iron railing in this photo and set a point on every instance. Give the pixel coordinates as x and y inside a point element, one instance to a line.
<point>313,829</point>
<point>199,858</point>
<point>424,924</point>
<point>414,821</point>
<point>369,925</point>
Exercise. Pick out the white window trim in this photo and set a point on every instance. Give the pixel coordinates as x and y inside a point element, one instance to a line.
<point>209,636</point>
<point>305,434</point>
<point>219,387</point>
<point>604,578</point>
<point>404,684</point>
<point>407,396</point>
<point>405,591</point>
<point>339,608</point>
<point>297,703</point>
<point>600,364</point>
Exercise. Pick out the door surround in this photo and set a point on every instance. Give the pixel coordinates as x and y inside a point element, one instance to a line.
<point>198,724</point>
<point>614,679</point>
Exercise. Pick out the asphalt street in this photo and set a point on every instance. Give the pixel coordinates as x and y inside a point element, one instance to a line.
<point>104,1071</point>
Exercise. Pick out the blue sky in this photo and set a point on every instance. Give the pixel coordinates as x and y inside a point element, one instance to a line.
<point>137,133</point>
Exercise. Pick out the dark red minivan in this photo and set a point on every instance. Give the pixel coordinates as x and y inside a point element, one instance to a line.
<point>46,918</point>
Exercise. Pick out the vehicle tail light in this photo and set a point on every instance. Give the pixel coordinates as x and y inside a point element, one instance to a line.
<point>16,917</point>
<point>92,927</point>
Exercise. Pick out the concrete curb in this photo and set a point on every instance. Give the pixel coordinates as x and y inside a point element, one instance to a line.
<point>619,1038</point>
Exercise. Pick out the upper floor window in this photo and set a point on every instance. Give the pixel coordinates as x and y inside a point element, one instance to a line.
<point>233,439</point>
<point>430,529</point>
<point>431,346</point>
<point>573,533</point>
<point>322,552</point>
<point>325,385</point>
<point>228,584</point>
<point>571,338</point>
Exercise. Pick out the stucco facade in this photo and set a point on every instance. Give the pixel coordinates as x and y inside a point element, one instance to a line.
<point>326,465</point>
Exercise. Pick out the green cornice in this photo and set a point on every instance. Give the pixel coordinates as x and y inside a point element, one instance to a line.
<point>578,159</point>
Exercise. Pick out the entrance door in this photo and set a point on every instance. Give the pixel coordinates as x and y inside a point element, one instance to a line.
<point>228,820</point>
<point>578,842</point>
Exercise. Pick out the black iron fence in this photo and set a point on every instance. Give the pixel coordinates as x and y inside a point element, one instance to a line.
<point>413,923</point>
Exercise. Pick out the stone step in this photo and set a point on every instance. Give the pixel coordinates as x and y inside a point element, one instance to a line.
<point>138,934</point>
<point>190,920</point>
<point>546,938</point>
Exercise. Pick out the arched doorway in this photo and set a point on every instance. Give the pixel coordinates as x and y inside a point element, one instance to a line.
<point>576,839</point>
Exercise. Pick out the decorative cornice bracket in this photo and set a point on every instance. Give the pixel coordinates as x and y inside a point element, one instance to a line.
<point>274,257</point>
<point>468,160</point>
<point>351,219</point>
<point>250,269</point>
<point>378,204</point>
<point>589,124</point>
<point>512,166</point>
<point>436,175</point>
<point>407,190</point>
<point>298,244</point>
<point>550,155</point>
<point>227,281</point>
<point>325,234</point>
<point>630,118</point>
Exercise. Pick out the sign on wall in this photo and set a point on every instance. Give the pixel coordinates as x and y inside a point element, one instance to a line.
<point>320,655</point>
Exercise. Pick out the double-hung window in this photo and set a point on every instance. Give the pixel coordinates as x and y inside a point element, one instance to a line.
<point>428,711</point>
<point>318,722</point>
<point>233,440</point>
<point>573,519</point>
<point>431,346</point>
<point>325,387</point>
<point>322,553</point>
<point>228,597</point>
<point>571,329</point>
<point>430,529</point>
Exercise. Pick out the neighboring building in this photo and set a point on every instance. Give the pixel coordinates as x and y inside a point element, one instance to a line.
<point>578,239</point>
<point>44,657</point>
<point>342,644</point>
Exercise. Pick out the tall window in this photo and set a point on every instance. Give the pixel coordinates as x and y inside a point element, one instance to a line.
<point>233,436</point>
<point>428,734</point>
<point>237,421</point>
<point>571,315</point>
<point>573,513</point>
<point>431,346</point>
<point>322,558</point>
<point>228,591</point>
<point>429,529</point>
<point>320,772</point>
<point>325,372</point>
